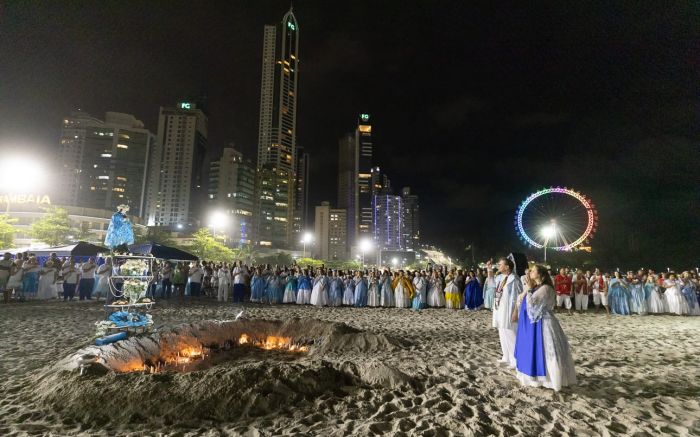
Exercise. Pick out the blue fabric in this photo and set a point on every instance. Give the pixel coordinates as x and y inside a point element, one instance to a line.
<point>619,298</point>
<point>119,231</point>
<point>648,289</point>
<point>123,318</point>
<point>304,283</point>
<point>30,282</point>
<point>361,293</point>
<point>689,295</point>
<point>335,295</point>
<point>238,292</point>
<point>473,295</point>
<point>257,288</point>
<point>529,345</point>
<point>273,290</point>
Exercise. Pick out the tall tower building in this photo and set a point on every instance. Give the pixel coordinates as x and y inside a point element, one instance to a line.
<point>175,188</point>
<point>410,221</point>
<point>231,190</point>
<point>301,196</point>
<point>388,223</point>
<point>331,233</point>
<point>104,163</point>
<point>355,184</point>
<point>277,145</point>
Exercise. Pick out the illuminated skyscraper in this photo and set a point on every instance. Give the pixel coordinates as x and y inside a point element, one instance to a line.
<point>104,163</point>
<point>176,191</point>
<point>277,145</point>
<point>355,181</point>
<point>301,196</point>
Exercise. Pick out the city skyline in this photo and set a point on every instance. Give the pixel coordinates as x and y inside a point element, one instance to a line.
<point>542,105</point>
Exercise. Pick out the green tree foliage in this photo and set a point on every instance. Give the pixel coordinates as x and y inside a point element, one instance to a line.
<point>7,231</point>
<point>54,228</point>
<point>208,248</point>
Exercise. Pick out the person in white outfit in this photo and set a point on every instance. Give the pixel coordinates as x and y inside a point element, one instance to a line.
<point>224,276</point>
<point>507,291</point>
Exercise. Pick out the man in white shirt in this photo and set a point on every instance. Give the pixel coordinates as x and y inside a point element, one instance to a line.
<point>239,280</point>
<point>505,302</point>
<point>87,279</point>
<point>195,276</point>
<point>70,279</point>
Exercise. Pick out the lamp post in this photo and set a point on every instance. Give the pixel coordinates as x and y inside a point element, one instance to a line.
<point>218,220</point>
<point>306,238</point>
<point>365,246</point>
<point>548,232</point>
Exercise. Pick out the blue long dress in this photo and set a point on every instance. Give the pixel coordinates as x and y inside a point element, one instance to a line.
<point>273,289</point>
<point>257,288</point>
<point>637,298</point>
<point>119,231</point>
<point>619,297</point>
<point>529,345</point>
<point>361,292</point>
<point>688,291</point>
<point>473,295</point>
<point>335,295</point>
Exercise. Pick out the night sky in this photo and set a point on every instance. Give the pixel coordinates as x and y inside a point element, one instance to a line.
<point>474,105</point>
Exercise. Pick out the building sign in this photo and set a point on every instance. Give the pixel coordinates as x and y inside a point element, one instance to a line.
<point>364,117</point>
<point>291,25</point>
<point>185,105</point>
<point>39,199</point>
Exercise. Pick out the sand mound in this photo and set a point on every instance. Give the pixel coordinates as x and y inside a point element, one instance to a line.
<point>236,383</point>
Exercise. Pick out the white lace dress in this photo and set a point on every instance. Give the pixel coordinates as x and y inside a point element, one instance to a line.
<point>674,298</point>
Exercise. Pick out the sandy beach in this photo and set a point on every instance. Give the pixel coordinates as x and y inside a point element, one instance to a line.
<point>430,373</point>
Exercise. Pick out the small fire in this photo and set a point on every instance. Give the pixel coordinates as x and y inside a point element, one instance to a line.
<point>272,342</point>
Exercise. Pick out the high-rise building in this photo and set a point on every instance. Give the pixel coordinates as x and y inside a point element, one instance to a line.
<point>175,188</point>
<point>346,182</point>
<point>277,147</point>
<point>104,163</point>
<point>331,233</point>
<point>410,220</point>
<point>380,182</point>
<point>232,190</point>
<point>301,196</point>
<point>388,224</point>
<point>355,182</point>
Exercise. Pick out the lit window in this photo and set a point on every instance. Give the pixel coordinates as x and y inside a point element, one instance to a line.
<point>106,155</point>
<point>122,146</point>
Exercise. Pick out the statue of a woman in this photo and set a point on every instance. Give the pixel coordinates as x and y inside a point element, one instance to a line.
<point>119,232</point>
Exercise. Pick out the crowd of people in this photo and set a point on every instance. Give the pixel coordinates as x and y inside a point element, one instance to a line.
<point>641,292</point>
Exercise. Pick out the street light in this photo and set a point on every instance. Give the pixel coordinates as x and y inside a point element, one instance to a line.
<point>548,232</point>
<point>394,262</point>
<point>20,175</point>
<point>365,246</point>
<point>305,239</point>
<point>218,219</point>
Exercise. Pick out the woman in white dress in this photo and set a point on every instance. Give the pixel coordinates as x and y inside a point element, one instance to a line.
<point>688,287</point>
<point>349,293</point>
<point>319,294</point>
<point>104,272</point>
<point>373,296</point>
<point>436,297</point>
<point>657,300</point>
<point>14,282</point>
<point>674,298</point>
<point>223,276</point>
<point>542,352</point>
<point>453,295</point>
<point>47,282</point>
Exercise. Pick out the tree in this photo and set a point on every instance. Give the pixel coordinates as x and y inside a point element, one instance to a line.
<point>7,231</point>
<point>83,233</point>
<point>54,228</point>
<point>209,248</point>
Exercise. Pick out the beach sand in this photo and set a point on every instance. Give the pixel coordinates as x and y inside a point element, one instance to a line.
<point>430,372</point>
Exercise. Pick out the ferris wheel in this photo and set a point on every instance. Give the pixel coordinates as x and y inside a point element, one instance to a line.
<point>556,218</point>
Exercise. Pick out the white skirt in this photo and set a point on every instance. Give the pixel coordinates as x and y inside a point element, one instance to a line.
<point>676,302</point>
<point>559,363</point>
<point>319,295</point>
<point>657,303</point>
<point>436,298</point>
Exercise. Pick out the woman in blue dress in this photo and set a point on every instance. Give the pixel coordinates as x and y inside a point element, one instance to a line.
<point>386,291</point>
<point>304,290</point>
<point>619,296</point>
<point>335,295</point>
<point>119,232</point>
<point>473,293</point>
<point>542,352</point>
<point>360,290</point>
<point>688,291</point>
<point>30,279</point>
<point>638,301</point>
<point>290,289</point>
<point>273,288</point>
<point>257,286</point>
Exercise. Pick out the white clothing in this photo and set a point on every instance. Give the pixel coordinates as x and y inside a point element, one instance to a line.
<point>196,275</point>
<point>47,287</point>
<point>581,301</point>
<point>657,302</point>
<point>503,313</point>
<point>239,275</point>
<point>319,294</point>
<point>564,300</point>
<point>70,275</point>
<point>224,277</point>
<point>674,299</point>
<point>87,272</point>
<point>436,297</point>
<point>401,296</point>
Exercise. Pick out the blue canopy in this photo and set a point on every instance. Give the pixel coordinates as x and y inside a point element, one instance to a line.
<point>162,252</point>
